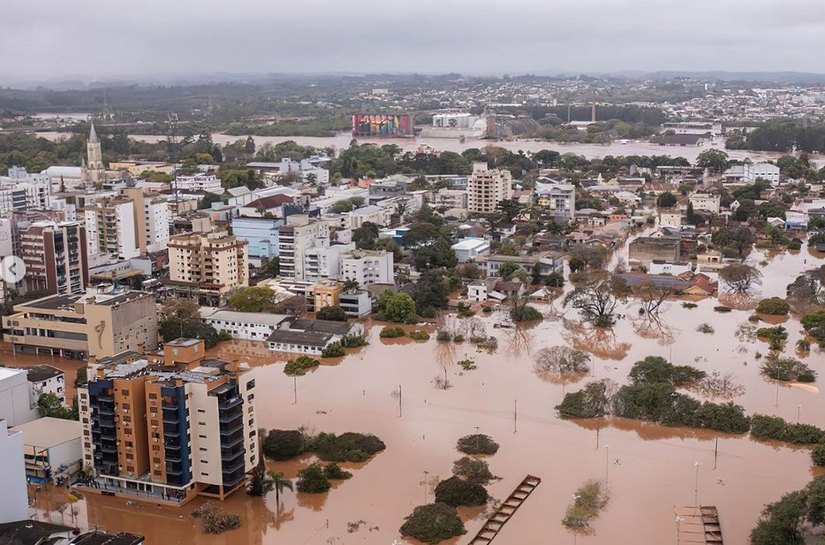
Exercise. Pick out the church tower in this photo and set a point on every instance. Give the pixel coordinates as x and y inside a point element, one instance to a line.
<point>95,171</point>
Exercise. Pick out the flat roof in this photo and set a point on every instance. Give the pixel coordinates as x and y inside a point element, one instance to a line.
<point>48,432</point>
<point>43,372</point>
<point>470,244</point>
<point>54,302</point>
<point>292,336</point>
<point>6,372</point>
<point>264,318</point>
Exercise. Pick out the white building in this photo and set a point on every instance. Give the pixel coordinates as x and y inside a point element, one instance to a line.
<point>323,260</point>
<point>294,238</point>
<point>356,304</point>
<point>707,202</point>
<point>52,449</point>
<point>670,219</point>
<point>368,267</point>
<point>469,249</point>
<point>16,403</point>
<point>750,172</point>
<point>251,326</point>
<point>559,199</point>
<point>198,182</point>
<point>111,228</point>
<point>45,379</point>
<point>658,266</point>
<point>15,503</point>
<point>23,191</point>
<point>486,188</point>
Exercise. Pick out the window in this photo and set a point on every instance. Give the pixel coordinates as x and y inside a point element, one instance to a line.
<point>202,436</point>
<point>204,461</point>
<point>202,449</point>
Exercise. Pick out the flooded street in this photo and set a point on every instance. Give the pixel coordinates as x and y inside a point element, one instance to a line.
<point>650,469</point>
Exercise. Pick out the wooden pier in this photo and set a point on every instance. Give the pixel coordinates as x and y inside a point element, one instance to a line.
<point>505,511</point>
<point>698,526</point>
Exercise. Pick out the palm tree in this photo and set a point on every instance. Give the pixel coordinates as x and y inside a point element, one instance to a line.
<point>259,483</point>
<point>279,483</point>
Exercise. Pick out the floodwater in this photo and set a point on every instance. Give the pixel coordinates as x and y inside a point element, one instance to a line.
<point>590,151</point>
<point>650,469</point>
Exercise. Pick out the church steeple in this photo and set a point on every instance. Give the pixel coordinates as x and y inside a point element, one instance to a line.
<point>95,170</point>
<point>93,139</point>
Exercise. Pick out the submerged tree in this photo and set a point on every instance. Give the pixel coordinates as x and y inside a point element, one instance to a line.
<point>740,278</point>
<point>561,360</point>
<point>596,297</point>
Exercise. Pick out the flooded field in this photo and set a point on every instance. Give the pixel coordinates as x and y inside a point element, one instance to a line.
<point>649,469</point>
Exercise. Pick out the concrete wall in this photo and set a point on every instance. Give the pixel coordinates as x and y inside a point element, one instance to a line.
<point>15,503</point>
<point>16,406</point>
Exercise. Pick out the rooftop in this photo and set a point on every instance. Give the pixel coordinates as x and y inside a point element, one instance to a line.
<point>263,318</point>
<point>48,432</point>
<point>291,336</point>
<point>39,373</point>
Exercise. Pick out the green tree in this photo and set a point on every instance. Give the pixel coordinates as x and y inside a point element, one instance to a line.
<point>259,482</point>
<point>430,292</point>
<point>397,307</point>
<point>50,405</point>
<point>666,200</point>
<point>713,159</point>
<point>365,236</point>
<point>252,299</point>
<point>312,479</point>
<point>279,484</point>
<point>814,324</point>
<point>332,312</point>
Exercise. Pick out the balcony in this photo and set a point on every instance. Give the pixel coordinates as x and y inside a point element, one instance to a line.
<point>174,469</point>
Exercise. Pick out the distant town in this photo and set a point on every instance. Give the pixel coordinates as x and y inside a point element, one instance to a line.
<point>289,310</point>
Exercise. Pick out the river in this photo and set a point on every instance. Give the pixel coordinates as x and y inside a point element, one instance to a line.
<point>650,469</point>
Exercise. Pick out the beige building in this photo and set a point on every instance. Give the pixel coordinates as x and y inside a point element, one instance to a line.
<point>151,215</point>
<point>208,265</point>
<point>486,188</point>
<point>102,322</point>
<point>707,202</point>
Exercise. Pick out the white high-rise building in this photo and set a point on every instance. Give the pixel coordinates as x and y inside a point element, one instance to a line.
<point>111,228</point>
<point>368,267</point>
<point>486,188</point>
<point>151,221</point>
<point>16,403</point>
<point>198,182</point>
<point>15,504</point>
<point>294,238</point>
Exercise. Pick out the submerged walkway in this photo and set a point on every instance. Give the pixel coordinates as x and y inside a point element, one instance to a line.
<point>698,525</point>
<point>506,510</point>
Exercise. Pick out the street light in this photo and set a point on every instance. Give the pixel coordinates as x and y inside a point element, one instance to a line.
<point>606,462</point>
<point>798,411</point>
<point>678,519</point>
<point>696,485</point>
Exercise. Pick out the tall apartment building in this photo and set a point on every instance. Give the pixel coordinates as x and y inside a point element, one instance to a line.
<point>15,504</point>
<point>151,216</point>
<point>323,259</point>
<point>559,199</point>
<point>17,405</point>
<point>111,228</point>
<point>294,238</point>
<point>55,255</point>
<point>486,188</point>
<point>208,265</point>
<point>23,191</point>
<point>101,322</point>
<point>170,428</point>
<point>368,267</point>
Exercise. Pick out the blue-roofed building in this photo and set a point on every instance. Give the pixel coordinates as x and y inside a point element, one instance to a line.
<point>262,235</point>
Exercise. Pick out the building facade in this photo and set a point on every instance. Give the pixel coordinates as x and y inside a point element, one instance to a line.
<point>207,266</point>
<point>151,216</point>
<point>16,403</point>
<point>15,504</point>
<point>261,234</point>
<point>559,200</point>
<point>170,429</point>
<point>707,202</point>
<point>368,267</point>
<point>198,182</point>
<point>56,257</point>
<point>112,229</point>
<point>486,188</point>
<point>294,238</point>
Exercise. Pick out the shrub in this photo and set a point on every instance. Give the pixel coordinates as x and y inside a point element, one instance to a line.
<point>795,244</point>
<point>468,364</point>
<point>443,336</point>
<point>299,366</point>
<point>724,417</point>
<point>554,280</point>
<point>818,454</point>
<point>589,501</point>
<point>420,335</point>
<point>335,473</point>
<point>392,333</point>
<point>458,338</point>
<point>788,370</point>
<point>490,344</point>
<point>433,523</point>
<point>707,329</point>
<point>655,369</point>
<point>689,306</point>
<point>474,471</point>
<point>354,341</point>
<point>803,346</point>
<point>283,444</point>
<point>215,521</point>
<point>334,350</point>
<point>773,428</point>
<point>775,336</point>
<point>525,313</point>
<point>333,313</point>
<point>814,324</point>
<point>592,401</point>
<point>313,480</point>
<point>347,447</point>
<point>774,306</point>
<point>477,443</point>
<point>458,492</point>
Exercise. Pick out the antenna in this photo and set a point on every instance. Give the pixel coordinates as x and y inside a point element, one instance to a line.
<point>173,151</point>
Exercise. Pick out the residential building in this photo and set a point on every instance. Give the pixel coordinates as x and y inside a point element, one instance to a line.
<point>261,234</point>
<point>251,326</point>
<point>647,249</point>
<point>449,199</point>
<point>658,266</point>
<point>45,379</point>
<point>103,321</point>
<point>294,238</point>
<point>324,260</point>
<point>548,262</point>
<point>172,428</point>
<point>198,182</point>
<point>23,191</point>
<point>56,257</point>
<point>750,172</point>
<point>368,267</point>
<point>15,504</point>
<point>356,303</point>
<point>707,202</point>
<point>310,336</point>
<point>207,266</point>
<point>151,221</point>
<point>670,219</point>
<point>112,229</point>
<point>559,199</point>
<point>470,249</point>
<point>51,447</point>
<point>488,187</point>
<point>17,406</point>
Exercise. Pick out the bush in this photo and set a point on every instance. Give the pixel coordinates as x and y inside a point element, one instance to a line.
<point>458,338</point>
<point>458,492</point>
<point>795,244</point>
<point>474,471</point>
<point>347,447</point>
<point>773,428</point>
<point>655,369</point>
<point>215,521</point>
<point>420,335</point>
<point>707,329</point>
<point>592,401</point>
<point>443,336</point>
<point>725,417</point>
<point>554,280</point>
<point>334,350</point>
<point>354,341</point>
<point>313,480</point>
<point>334,313</point>
<point>525,313</point>
<point>477,443</point>
<point>788,370</point>
<point>775,306</point>
<point>392,333</point>
<point>689,306</point>
<point>433,523</point>
<point>817,455</point>
<point>490,344</point>
<point>589,501</point>
<point>299,366</point>
<point>468,364</point>
<point>283,444</point>
<point>335,473</point>
<point>814,324</point>
<point>775,336</point>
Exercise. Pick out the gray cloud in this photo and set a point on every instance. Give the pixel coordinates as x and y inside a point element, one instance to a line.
<point>93,38</point>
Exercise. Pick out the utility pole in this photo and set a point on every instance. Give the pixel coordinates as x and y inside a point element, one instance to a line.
<point>173,151</point>
<point>400,414</point>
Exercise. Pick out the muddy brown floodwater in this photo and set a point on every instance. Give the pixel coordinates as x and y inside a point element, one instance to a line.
<point>650,469</point>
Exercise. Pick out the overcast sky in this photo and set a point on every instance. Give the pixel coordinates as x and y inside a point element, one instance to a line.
<point>100,38</point>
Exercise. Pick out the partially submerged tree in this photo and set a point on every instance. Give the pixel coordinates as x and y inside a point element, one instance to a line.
<point>560,360</point>
<point>596,297</point>
<point>433,523</point>
<point>740,278</point>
